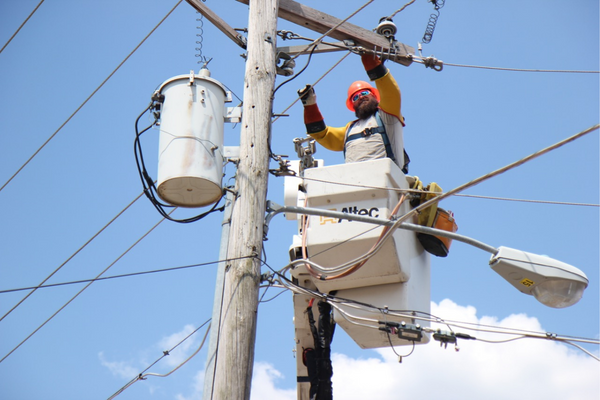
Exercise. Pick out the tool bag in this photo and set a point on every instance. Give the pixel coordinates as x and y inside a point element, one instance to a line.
<point>433,217</point>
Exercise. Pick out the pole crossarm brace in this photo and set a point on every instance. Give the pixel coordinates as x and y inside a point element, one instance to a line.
<point>274,209</point>
<point>320,48</point>
<point>218,22</point>
<point>320,22</point>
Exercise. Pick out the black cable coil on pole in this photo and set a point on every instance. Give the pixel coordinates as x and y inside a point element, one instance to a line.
<point>147,182</point>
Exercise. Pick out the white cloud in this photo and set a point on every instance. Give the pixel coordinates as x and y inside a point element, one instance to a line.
<point>183,351</point>
<point>263,384</point>
<point>121,369</point>
<point>130,370</point>
<point>521,369</point>
<point>197,388</point>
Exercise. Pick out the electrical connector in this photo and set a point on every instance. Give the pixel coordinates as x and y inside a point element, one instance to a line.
<point>413,333</point>
<point>444,337</point>
<point>410,332</point>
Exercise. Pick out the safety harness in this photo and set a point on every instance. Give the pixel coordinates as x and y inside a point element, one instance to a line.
<point>379,129</point>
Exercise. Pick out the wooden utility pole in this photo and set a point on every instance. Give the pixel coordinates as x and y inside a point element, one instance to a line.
<point>235,353</point>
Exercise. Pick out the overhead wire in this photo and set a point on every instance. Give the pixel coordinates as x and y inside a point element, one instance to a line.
<point>320,38</point>
<point>81,291</point>
<point>33,289</point>
<point>392,15</point>
<point>436,64</point>
<point>522,69</point>
<point>500,171</point>
<point>90,96</point>
<point>563,203</point>
<point>345,267</point>
<point>299,72</point>
<point>23,24</point>
<point>104,278</point>
<point>142,375</point>
<point>410,315</point>
<point>274,297</point>
<point>314,44</point>
<point>314,84</point>
<point>494,173</point>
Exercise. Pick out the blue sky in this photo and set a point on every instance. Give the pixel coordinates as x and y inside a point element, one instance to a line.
<point>461,123</point>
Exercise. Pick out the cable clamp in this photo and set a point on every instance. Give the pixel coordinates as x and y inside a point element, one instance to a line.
<point>551,335</point>
<point>287,35</point>
<point>444,337</point>
<point>433,63</point>
<point>267,277</point>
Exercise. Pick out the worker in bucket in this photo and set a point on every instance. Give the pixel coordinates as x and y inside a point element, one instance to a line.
<point>377,133</point>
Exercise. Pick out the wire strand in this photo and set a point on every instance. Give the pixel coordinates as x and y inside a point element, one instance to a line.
<point>400,9</point>
<point>23,24</point>
<point>344,266</point>
<point>566,71</point>
<point>314,84</point>
<point>89,97</point>
<point>320,38</point>
<point>563,203</point>
<point>423,60</point>
<point>34,288</point>
<point>81,291</point>
<point>143,374</point>
<point>104,278</point>
<point>373,323</point>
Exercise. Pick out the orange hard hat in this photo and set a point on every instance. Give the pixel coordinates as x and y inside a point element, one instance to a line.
<point>357,87</point>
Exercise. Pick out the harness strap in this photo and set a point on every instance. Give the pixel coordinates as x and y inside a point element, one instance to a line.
<point>380,129</point>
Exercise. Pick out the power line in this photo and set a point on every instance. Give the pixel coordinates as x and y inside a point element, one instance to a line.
<point>499,171</point>
<point>24,22</point>
<point>320,38</point>
<point>347,266</point>
<point>104,278</point>
<point>87,286</point>
<point>90,96</point>
<point>431,61</point>
<point>332,298</point>
<point>143,374</point>
<point>315,43</point>
<point>392,15</point>
<point>562,203</point>
<point>33,289</point>
<point>567,71</point>
<point>314,84</point>
<point>410,315</point>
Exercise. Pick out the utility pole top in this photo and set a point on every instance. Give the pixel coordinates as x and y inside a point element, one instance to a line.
<point>320,22</point>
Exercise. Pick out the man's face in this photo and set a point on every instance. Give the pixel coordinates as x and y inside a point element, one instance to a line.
<point>365,106</point>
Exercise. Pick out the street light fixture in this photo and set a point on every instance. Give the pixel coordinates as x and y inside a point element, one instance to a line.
<point>553,283</point>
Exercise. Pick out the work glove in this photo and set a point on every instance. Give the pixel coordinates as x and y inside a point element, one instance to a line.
<point>374,66</point>
<point>307,95</point>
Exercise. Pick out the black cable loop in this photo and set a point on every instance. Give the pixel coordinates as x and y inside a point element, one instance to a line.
<point>148,183</point>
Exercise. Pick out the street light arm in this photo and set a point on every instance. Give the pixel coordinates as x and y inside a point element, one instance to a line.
<point>274,209</point>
